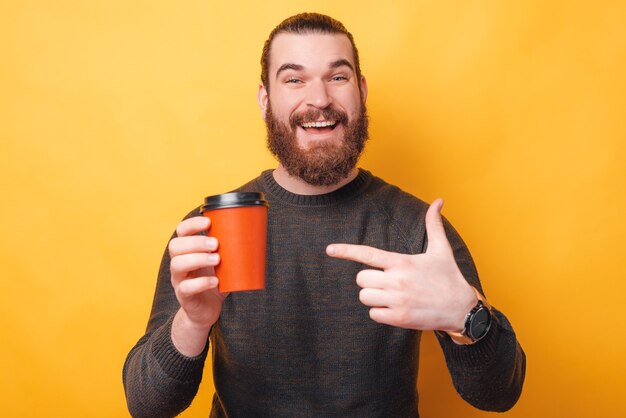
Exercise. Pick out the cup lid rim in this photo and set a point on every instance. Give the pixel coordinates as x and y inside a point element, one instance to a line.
<point>234,199</point>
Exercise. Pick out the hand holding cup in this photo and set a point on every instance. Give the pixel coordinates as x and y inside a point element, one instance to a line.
<point>192,266</point>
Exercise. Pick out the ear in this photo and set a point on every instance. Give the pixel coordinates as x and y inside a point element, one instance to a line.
<point>363,89</point>
<point>262,98</point>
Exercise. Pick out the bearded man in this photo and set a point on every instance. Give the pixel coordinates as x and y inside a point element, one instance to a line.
<point>326,337</point>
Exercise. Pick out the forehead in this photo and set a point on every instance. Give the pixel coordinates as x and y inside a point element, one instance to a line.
<point>309,50</point>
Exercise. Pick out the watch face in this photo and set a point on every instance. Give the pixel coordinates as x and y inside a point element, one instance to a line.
<point>480,323</point>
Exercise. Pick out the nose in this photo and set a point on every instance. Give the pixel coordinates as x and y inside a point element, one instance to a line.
<point>317,95</point>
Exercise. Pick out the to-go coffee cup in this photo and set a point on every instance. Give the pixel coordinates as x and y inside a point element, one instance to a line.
<point>239,222</point>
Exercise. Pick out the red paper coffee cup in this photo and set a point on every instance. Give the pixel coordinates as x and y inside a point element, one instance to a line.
<point>239,222</point>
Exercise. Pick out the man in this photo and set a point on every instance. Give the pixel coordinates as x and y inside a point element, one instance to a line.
<point>356,269</point>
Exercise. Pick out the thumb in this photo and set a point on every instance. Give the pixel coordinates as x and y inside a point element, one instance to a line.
<point>437,239</point>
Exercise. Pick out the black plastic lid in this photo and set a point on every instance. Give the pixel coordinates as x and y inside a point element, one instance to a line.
<point>233,200</point>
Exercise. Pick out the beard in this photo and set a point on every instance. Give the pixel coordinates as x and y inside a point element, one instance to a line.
<point>323,164</point>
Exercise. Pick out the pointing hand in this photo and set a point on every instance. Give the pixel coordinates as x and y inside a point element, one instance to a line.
<point>417,291</point>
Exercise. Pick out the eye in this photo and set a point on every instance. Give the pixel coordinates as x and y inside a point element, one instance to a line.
<point>292,80</point>
<point>339,78</point>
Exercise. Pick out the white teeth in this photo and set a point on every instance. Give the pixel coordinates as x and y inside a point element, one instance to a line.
<point>318,124</point>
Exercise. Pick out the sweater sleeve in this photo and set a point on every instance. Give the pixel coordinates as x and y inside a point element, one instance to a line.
<point>490,373</point>
<point>159,381</point>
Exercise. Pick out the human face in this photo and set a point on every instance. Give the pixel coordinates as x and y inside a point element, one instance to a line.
<point>312,79</point>
<point>323,164</point>
<point>322,133</point>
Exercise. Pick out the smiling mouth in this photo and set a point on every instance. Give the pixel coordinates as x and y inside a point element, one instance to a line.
<point>320,126</point>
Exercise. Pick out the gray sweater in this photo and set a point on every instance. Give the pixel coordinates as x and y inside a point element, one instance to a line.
<point>305,346</point>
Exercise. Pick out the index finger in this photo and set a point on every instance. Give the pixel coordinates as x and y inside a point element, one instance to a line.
<point>192,226</point>
<point>363,254</point>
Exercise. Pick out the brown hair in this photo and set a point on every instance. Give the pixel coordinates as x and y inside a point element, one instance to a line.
<point>305,23</point>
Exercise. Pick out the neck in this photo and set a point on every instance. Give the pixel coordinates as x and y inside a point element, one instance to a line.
<point>298,186</point>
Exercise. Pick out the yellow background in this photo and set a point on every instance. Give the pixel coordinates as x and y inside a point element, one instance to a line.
<point>117,117</point>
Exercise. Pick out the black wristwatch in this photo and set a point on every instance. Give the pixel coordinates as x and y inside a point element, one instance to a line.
<point>477,323</point>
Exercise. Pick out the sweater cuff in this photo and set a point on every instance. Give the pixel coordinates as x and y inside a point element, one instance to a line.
<point>174,364</point>
<point>476,355</point>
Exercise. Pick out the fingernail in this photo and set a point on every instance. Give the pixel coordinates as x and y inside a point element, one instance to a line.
<point>330,250</point>
<point>213,257</point>
<point>211,243</point>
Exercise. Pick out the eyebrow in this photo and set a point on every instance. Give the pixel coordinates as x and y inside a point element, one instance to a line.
<point>340,63</point>
<point>297,67</point>
<point>285,67</point>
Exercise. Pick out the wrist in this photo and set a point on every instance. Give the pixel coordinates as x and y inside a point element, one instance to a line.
<point>188,337</point>
<point>476,324</point>
<point>191,325</point>
<point>470,299</point>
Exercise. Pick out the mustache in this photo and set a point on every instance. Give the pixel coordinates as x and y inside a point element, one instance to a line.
<point>313,115</point>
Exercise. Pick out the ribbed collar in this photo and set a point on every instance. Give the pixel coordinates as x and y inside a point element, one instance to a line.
<point>351,189</point>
